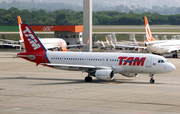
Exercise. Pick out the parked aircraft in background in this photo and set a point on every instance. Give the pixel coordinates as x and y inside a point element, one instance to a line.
<point>99,44</point>
<point>103,66</point>
<point>160,46</point>
<point>111,39</point>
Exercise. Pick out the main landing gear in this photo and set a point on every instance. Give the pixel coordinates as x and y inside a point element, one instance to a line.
<point>175,54</point>
<point>151,78</point>
<point>88,79</point>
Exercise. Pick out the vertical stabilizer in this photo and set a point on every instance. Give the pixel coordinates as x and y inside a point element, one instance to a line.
<point>31,41</point>
<point>149,37</point>
<point>114,38</point>
<point>20,31</point>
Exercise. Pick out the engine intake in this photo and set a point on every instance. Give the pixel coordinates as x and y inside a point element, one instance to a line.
<point>104,74</point>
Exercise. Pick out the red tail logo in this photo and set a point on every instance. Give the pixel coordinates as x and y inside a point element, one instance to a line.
<point>31,41</point>
<point>31,38</point>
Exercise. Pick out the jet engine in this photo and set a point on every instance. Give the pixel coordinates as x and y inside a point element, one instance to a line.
<point>104,74</point>
<point>129,74</point>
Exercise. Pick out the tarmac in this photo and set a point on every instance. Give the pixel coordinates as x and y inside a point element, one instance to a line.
<point>29,89</point>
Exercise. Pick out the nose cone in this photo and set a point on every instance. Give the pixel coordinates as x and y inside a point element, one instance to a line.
<point>171,67</point>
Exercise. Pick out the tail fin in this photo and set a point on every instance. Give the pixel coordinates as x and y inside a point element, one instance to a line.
<point>149,37</point>
<point>114,38</point>
<point>135,41</point>
<point>20,30</point>
<point>31,41</point>
<point>107,41</point>
<point>111,44</point>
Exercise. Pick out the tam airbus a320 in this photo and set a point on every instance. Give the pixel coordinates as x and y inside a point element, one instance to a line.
<point>103,66</point>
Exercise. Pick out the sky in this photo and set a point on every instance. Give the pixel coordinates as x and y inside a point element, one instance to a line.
<point>141,3</point>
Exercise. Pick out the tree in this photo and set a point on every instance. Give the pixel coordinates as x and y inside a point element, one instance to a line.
<point>62,18</point>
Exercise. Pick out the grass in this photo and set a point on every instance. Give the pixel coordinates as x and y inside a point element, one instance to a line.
<point>136,25</point>
<point>135,30</point>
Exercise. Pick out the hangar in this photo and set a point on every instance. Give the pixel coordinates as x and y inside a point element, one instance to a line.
<point>72,34</point>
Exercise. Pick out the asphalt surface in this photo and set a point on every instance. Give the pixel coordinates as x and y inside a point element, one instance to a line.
<point>29,89</point>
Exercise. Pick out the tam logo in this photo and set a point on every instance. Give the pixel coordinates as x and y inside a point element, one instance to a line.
<point>31,38</point>
<point>135,61</point>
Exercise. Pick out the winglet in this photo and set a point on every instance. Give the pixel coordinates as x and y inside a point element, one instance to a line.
<point>149,37</point>
<point>63,48</point>
<point>20,30</point>
<point>31,41</point>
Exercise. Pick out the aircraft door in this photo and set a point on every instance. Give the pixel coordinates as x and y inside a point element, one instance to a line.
<point>148,61</point>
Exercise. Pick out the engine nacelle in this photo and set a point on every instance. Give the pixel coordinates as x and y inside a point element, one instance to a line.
<point>129,74</point>
<point>104,74</point>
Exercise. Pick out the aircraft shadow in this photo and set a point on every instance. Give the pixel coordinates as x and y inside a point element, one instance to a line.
<point>80,81</point>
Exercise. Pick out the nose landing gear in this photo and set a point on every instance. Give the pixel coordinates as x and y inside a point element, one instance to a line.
<point>151,78</point>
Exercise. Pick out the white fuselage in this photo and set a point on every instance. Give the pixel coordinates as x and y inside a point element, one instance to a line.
<point>51,43</point>
<point>165,46</point>
<point>119,62</point>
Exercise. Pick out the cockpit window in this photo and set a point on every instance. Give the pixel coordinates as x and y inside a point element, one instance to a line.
<point>162,61</point>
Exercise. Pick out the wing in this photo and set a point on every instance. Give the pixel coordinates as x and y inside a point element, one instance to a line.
<point>173,49</point>
<point>62,48</point>
<point>75,67</point>
<point>10,45</point>
<point>10,41</point>
<point>129,46</point>
<point>156,42</point>
<point>18,47</point>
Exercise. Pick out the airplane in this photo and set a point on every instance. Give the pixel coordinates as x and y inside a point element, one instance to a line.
<point>160,46</point>
<point>101,65</point>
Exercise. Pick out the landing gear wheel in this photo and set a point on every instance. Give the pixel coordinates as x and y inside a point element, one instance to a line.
<point>88,79</point>
<point>175,55</point>
<point>152,80</point>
